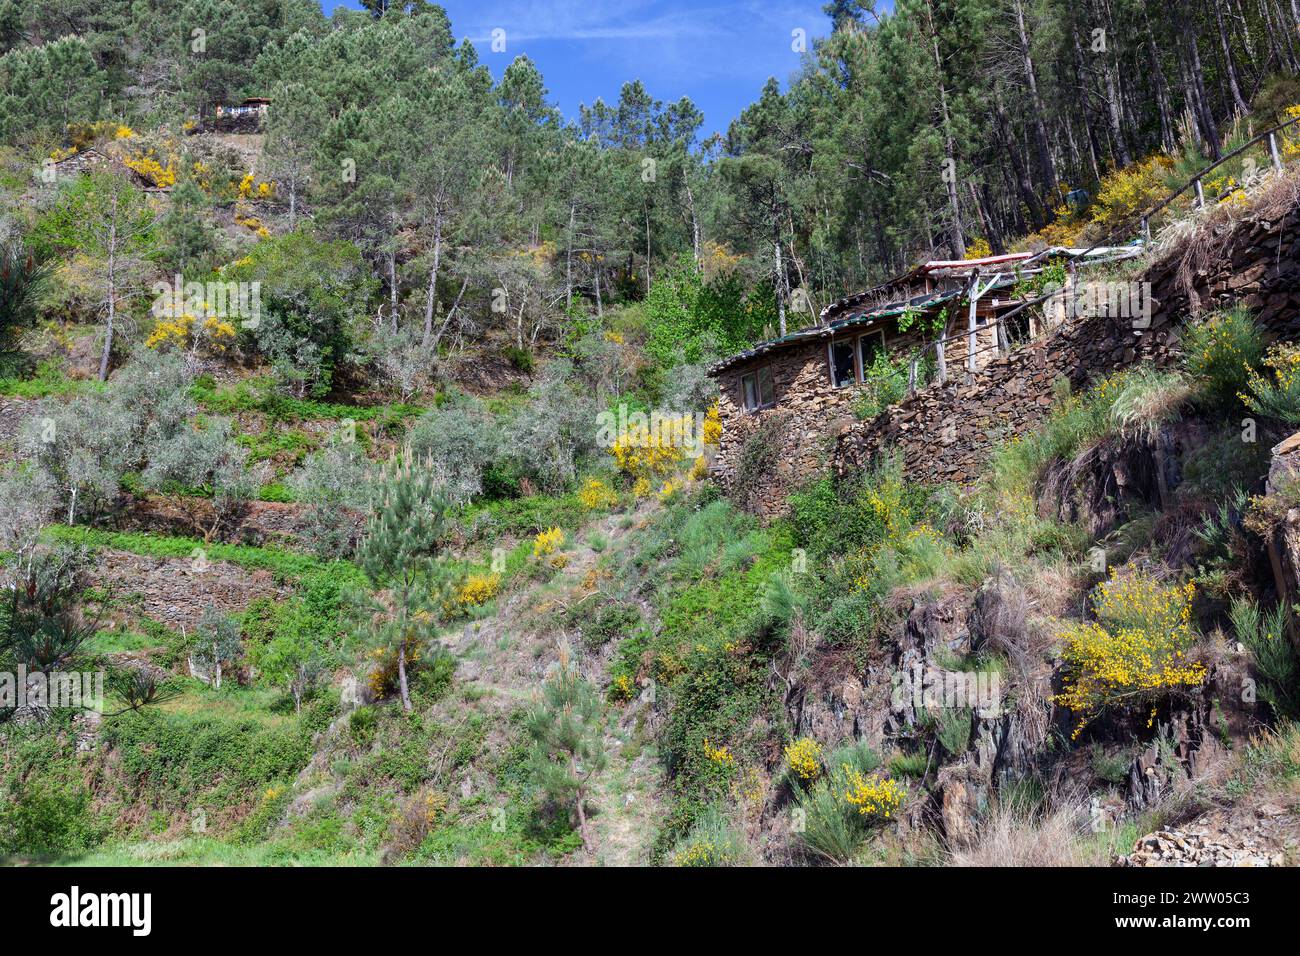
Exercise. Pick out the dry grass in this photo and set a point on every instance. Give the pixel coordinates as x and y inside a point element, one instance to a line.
<point>1197,243</point>
<point>1016,835</point>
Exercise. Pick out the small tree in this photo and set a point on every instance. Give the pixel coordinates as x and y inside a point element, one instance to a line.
<point>397,555</point>
<point>216,644</point>
<point>109,220</point>
<point>335,484</point>
<point>293,660</point>
<point>459,440</point>
<point>567,730</point>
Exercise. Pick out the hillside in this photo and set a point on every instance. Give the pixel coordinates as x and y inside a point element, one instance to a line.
<point>364,446</point>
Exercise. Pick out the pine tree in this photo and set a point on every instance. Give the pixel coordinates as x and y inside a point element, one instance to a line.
<point>567,730</point>
<point>398,555</point>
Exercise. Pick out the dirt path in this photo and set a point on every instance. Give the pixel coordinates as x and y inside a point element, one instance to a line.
<point>506,656</point>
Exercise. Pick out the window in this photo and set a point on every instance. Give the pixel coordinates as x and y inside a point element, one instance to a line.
<point>869,346</point>
<point>757,389</point>
<point>843,371</point>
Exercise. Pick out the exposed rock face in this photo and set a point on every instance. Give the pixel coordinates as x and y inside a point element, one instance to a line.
<point>257,523</point>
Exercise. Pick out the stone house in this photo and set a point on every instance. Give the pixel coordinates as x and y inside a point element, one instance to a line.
<point>944,321</point>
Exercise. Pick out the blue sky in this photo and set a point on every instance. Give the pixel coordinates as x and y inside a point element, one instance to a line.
<point>717,52</point>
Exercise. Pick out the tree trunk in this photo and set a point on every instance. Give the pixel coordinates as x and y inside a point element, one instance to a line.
<point>1205,113</point>
<point>1229,67</point>
<point>1046,165</point>
<point>780,299</point>
<point>1167,139</point>
<point>112,291</point>
<point>401,677</point>
<point>433,281</point>
<point>392,290</point>
<point>695,221</point>
<point>568,264</point>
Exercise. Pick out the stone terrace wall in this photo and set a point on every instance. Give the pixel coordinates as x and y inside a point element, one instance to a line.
<point>812,410</point>
<point>945,433</point>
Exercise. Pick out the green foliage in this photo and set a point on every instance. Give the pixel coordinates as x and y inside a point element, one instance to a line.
<point>179,762</point>
<point>690,320</point>
<point>309,291</point>
<point>834,831</point>
<point>45,806</point>
<point>884,384</point>
<point>1223,352</point>
<point>713,840</point>
<point>1275,393</point>
<point>566,728</point>
<point>458,440</point>
<point>1266,635</point>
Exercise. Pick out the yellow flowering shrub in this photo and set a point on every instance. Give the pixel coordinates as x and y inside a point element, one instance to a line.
<point>148,167</point>
<point>804,758</point>
<point>1291,136</point>
<point>642,451</point>
<point>123,132</point>
<point>668,489</point>
<point>722,756</point>
<point>623,688</point>
<point>699,854</point>
<point>595,495</point>
<point>1136,650</point>
<point>192,334</point>
<point>1124,193</point>
<point>478,589</point>
<point>877,797</point>
<point>700,469</point>
<point>979,249</point>
<point>1276,392</point>
<point>547,542</point>
<point>713,425</point>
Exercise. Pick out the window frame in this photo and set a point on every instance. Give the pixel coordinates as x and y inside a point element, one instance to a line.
<point>855,343</point>
<point>857,348</point>
<point>758,375</point>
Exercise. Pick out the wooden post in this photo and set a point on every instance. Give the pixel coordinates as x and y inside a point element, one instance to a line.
<point>938,354</point>
<point>1004,341</point>
<point>973,295</point>
<point>1200,195</point>
<point>911,376</point>
<point>1272,151</point>
<point>1146,231</point>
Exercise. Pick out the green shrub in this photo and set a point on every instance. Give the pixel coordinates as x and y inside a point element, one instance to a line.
<point>884,384</point>
<point>1265,634</point>
<point>1275,393</point>
<point>1222,353</point>
<point>712,841</point>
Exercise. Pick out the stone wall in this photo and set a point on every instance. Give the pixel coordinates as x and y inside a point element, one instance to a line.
<point>176,591</point>
<point>812,409</point>
<point>946,433</point>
